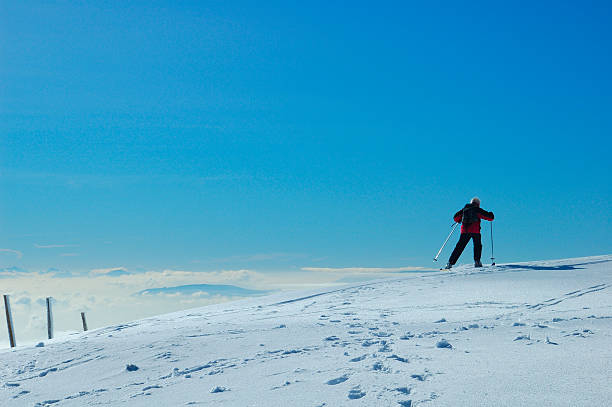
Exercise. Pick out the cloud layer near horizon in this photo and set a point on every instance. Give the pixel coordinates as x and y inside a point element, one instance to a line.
<point>109,298</point>
<point>12,251</point>
<point>107,294</point>
<point>363,269</point>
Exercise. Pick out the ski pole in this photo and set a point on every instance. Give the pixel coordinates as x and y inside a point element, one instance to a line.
<point>492,256</point>
<point>444,244</point>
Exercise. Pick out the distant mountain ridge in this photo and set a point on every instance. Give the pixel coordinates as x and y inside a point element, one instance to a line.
<point>208,289</point>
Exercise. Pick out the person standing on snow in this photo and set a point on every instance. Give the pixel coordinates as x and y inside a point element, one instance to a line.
<point>469,217</point>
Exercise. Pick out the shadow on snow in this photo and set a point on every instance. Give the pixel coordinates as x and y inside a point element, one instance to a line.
<point>565,267</point>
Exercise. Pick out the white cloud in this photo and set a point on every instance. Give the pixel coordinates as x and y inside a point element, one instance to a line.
<point>110,270</point>
<point>363,269</point>
<point>8,272</point>
<point>12,251</point>
<point>54,246</point>
<point>24,301</point>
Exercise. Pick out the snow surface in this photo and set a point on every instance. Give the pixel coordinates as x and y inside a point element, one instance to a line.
<point>536,333</point>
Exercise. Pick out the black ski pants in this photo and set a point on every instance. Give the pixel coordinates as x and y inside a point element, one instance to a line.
<point>463,241</point>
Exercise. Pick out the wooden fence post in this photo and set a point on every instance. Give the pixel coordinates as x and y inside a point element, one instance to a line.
<point>84,321</point>
<point>9,321</point>
<point>49,318</point>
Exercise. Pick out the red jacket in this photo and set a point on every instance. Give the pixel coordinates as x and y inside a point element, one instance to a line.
<point>475,226</point>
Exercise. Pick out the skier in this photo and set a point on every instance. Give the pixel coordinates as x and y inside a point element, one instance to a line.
<point>469,217</point>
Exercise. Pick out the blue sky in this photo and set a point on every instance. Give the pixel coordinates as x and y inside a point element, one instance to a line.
<point>208,136</point>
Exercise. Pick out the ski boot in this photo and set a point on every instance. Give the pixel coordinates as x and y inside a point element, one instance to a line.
<point>448,266</point>
<point>477,263</point>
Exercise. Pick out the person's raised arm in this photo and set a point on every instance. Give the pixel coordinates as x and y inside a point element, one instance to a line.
<point>458,216</point>
<point>482,214</point>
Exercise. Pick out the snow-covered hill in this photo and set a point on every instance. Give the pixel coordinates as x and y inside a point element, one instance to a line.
<point>529,334</point>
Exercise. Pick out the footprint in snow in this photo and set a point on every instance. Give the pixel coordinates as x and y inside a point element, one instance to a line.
<point>385,347</point>
<point>368,343</point>
<point>77,395</point>
<point>381,334</point>
<point>164,355</point>
<point>356,393</point>
<point>398,358</point>
<point>379,367</point>
<point>421,377</point>
<point>358,358</point>
<point>337,380</point>
<point>548,341</point>
<point>443,344</point>
<point>46,372</point>
<point>21,393</point>
<point>403,390</point>
<point>285,384</point>
<point>46,403</point>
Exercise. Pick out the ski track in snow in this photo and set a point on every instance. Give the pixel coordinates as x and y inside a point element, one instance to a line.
<point>399,342</point>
